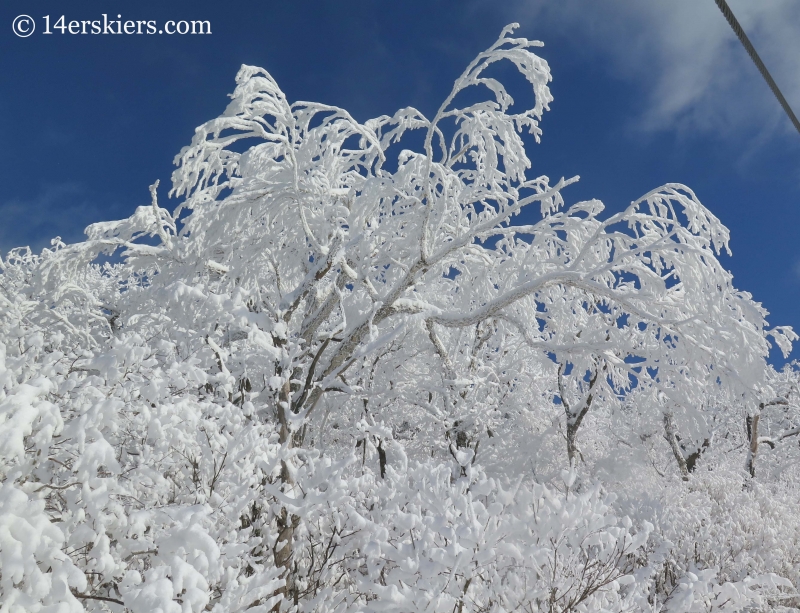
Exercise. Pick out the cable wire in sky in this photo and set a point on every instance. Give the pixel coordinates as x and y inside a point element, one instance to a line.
<point>726,10</point>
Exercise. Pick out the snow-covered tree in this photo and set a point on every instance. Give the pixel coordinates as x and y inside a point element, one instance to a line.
<point>325,381</point>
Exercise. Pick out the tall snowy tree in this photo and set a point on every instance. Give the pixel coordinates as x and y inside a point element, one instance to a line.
<point>311,386</point>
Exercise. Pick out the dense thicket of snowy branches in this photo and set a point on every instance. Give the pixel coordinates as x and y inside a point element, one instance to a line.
<point>344,376</point>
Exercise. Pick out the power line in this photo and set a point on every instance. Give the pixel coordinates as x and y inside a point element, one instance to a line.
<point>751,51</point>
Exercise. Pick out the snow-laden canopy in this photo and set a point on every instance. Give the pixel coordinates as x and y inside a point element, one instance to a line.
<point>345,375</point>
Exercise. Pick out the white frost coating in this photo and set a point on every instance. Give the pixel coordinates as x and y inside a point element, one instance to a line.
<point>36,574</point>
<point>19,412</point>
<point>346,382</point>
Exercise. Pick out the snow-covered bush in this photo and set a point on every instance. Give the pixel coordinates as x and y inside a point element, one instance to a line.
<point>353,376</point>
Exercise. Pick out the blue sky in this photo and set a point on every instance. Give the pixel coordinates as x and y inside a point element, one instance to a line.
<point>645,93</point>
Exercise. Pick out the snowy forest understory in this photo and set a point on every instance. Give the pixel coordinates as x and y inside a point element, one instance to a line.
<point>377,367</point>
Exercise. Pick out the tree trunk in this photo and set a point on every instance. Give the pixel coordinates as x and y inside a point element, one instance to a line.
<point>751,423</point>
<point>286,522</point>
<point>575,416</point>
<point>670,433</point>
<point>283,552</point>
<point>692,458</point>
<point>572,442</point>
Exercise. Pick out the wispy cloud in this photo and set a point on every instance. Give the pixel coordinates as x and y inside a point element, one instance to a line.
<point>693,72</point>
<point>62,209</point>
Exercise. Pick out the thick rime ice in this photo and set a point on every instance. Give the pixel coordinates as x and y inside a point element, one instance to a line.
<point>346,375</point>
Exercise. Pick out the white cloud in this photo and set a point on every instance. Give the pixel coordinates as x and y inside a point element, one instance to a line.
<point>59,209</point>
<point>694,73</point>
